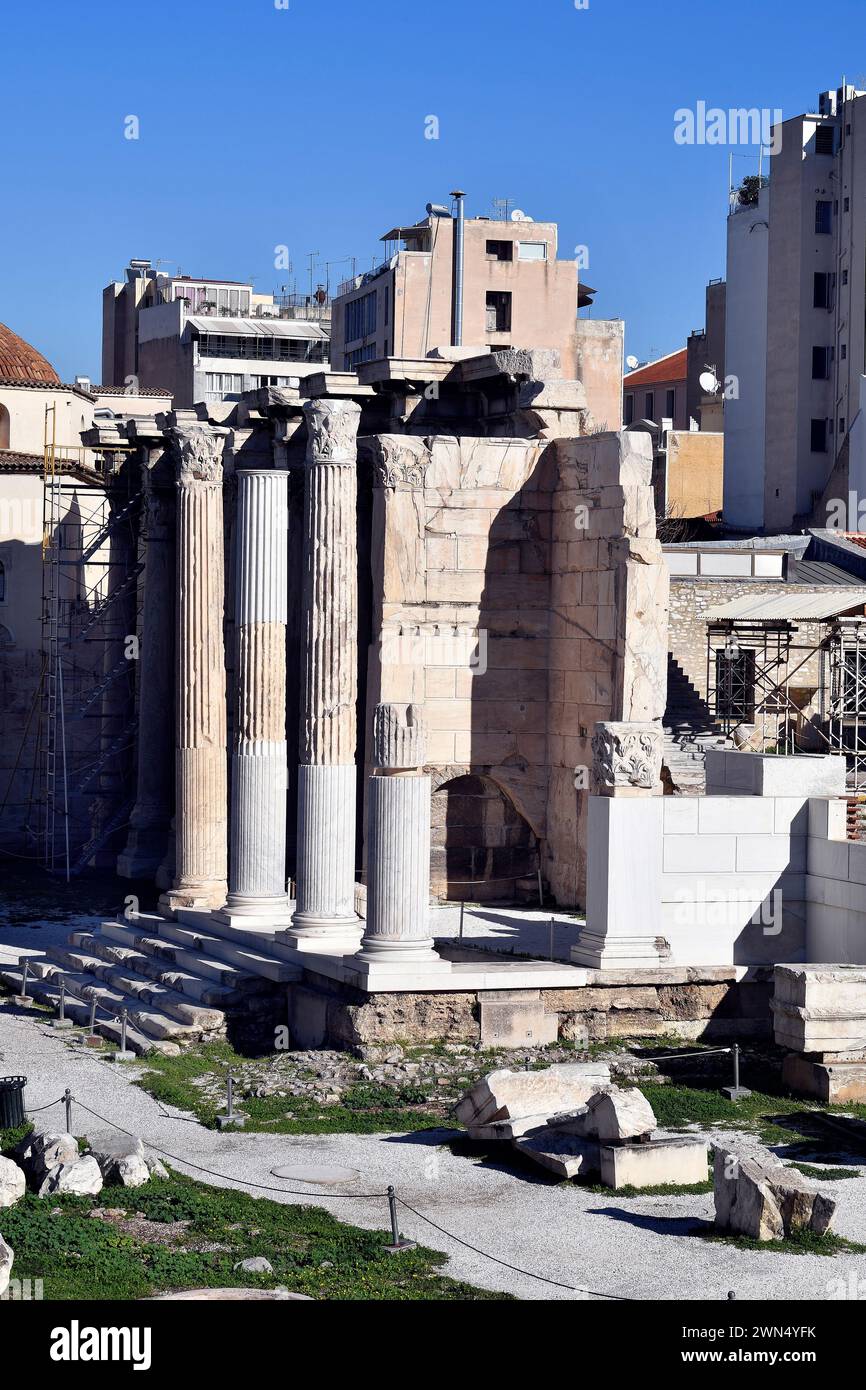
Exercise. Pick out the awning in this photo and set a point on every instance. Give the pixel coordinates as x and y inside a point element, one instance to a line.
<point>787,607</point>
<point>257,328</point>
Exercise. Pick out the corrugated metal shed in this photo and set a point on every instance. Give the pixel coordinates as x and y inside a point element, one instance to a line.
<point>257,328</point>
<point>788,607</point>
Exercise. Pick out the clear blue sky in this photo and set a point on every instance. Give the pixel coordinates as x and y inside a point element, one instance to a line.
<point>305,126</point>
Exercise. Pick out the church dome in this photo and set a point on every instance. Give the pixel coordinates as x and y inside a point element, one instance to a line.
<point>21,362</point>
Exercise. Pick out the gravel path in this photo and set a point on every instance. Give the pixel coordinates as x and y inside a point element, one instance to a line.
<point>638,1248</point>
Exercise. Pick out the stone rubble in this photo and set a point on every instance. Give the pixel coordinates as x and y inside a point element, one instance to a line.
<point>765,1200</point>
<point>121,1159</point>
<point>7,1256</point>
<point>82,1178</point>
<point>528,1095</point>
<point>13,1183</point>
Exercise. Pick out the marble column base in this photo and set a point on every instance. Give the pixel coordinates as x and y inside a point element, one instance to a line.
<point>325,918</point>
<point>206,893</point>
<point>624,924</point>
<point>265,914</point>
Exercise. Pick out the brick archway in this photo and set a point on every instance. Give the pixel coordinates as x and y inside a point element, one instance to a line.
<point>482,849</point>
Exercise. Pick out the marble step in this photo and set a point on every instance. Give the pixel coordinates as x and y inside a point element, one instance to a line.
<point>140,987</point>
<point>161,949</point>
<point>189,974</point>
<point>270,967</point>
<point>47,991</point>
<point>148,1019</point>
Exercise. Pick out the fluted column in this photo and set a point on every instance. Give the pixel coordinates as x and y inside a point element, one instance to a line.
<point>257,899</point>
<point>200,765</point>
<point>325,918</point>
<point>151,815</point>
<point>397,932</point>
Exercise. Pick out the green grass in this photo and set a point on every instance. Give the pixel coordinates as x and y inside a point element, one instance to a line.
<point>829,1174</point>
<point>801,1242</point>
<point>667,1189</point>
<point>9,1138</point>
<point>363,1109</point>
<point>82,1258</point>
<point>776,1119</point>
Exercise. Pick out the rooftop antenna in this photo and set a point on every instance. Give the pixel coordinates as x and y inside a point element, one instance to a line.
<point>502,206</point>
<point>312,259</point>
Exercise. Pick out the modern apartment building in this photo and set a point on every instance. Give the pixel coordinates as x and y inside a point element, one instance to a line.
<point>513,292</point>
<point>208,340</point>
<point>796,331</point>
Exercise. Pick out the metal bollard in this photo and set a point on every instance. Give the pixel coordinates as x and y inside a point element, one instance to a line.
<point>123,1018</point>
<point>736,1092</point>
<point>93,1015</point>
<point>24,974</point>
<point>731,1295</point>
<point>398,1244</point>
<point>67,1101</point>
<point>61,1021</point>
<point>540,889</point>
<point>460,928</point>
<point>550,944</point>
<point>231,1118</point>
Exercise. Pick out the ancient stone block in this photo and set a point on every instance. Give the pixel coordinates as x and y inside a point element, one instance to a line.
<point>673,1160</point>
<point>820,1008</point>
<point>13,1184</point>
<point>506,1094</point>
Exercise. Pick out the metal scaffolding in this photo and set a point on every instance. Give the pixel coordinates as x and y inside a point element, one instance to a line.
<point>86,728</point>
<point>751,667</point>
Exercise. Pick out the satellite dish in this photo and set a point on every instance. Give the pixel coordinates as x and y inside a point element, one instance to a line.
<point>708,382</point>
<point>631,362</point>
<point>519,215</point>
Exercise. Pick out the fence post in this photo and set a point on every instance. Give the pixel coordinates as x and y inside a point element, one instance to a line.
<point>398,1244</point>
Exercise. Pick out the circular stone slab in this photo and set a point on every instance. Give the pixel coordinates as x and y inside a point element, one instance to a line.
<point>313,1173</point>
<point>228,1296</point>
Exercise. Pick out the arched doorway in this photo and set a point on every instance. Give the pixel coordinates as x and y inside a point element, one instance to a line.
<point>4,427</point>
<point>481,847</point>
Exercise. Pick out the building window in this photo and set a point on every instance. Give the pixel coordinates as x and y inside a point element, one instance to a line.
<point>500,250</point>
<point>824,137</point>
<point>818,442</point>
<point>629,409</point>
<point>498,311</point>
<point>4,427</point>
<point>360,320</point>
<point>822,357</point>
<point>262,347</point>
<point>361,354</point>
<point>387,314</point>
<point>843,351</point>
<point>670,404</point>
<point>823,217</point>
<point>846,206</point>
<point>841,424</point>
<point>2,582</point>
<point>649,406</point>
<point>223,385</point>
<point>532,250</point>
<point>821,290</point>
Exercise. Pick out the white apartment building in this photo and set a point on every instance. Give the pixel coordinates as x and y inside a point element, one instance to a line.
<point>796,321</point>
<point>207,340</point>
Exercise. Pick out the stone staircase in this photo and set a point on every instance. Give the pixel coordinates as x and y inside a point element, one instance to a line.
<point>179,983</point>
<point>689,730</point>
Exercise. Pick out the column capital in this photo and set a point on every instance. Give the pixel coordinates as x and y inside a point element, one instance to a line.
<point>399,742</point>
<point>400,461</point>
<point>332,431</point>
<point>198,454</point>
<point>626,758</point>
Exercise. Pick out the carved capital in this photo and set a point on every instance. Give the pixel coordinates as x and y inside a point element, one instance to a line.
<point>626,757</point>
<point>199,455</point>
<point>400,461</point>
<point>332,431</point>
<point>398,737</point>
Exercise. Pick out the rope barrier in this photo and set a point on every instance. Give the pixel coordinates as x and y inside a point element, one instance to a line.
<point>314,1197</point>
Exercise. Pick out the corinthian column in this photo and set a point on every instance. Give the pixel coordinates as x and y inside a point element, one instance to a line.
<point>325,918</point>
<point>200,699</point>
<point>257,899</point>
<point>397,934</point>
<point>149,821</point>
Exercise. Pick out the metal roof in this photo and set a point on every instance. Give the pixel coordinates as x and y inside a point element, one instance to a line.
<point>788,607</point>
<point>257,328</point>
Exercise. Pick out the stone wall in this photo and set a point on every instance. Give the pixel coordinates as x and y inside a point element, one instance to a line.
<point>520,596</point>
<point>689,1003</point>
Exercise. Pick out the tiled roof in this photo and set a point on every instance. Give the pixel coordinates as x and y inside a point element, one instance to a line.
<point>19,361</point>
<point>122,391</point>
<point>42,384</point>
<point>13,461</point>
<point>670,368</point>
